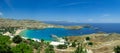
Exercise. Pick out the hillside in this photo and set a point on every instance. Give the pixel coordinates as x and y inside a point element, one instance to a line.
<point>22,23</point>
<point>102,43</point>
<point>31,24</point>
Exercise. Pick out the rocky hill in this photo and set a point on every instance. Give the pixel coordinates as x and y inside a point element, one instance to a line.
<point>102,43</point>
<point>32,24</point>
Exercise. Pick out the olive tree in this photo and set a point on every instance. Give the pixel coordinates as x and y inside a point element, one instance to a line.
<point>17,39</point>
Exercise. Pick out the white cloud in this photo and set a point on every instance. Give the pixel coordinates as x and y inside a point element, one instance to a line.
<point>74,3</point>
<point>90,20</point>
<point>1,13</point>
<point>105,15</point>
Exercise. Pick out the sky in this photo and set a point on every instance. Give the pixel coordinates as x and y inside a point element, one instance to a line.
<point>82,11</point>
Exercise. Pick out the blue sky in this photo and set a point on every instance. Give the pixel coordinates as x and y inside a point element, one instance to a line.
<point>83,11</point>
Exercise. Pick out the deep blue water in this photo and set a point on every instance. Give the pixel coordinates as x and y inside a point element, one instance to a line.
<point>60,32</point>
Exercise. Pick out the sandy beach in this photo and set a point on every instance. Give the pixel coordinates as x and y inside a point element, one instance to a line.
<point>7,33</point>
<point>18,31</point>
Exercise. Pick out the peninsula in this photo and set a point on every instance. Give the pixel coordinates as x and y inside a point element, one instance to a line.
<point>31,24</point>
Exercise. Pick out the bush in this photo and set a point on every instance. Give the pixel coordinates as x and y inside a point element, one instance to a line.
<point>62,46</point>
<point>87,38</point>
<point>17,39</point>
<point>5,40</point>
<point>90,43</point>
<point>51,46</point>
<point>73,44</point>
<point>36,45</point>
<point>80,49</point>
<point>117,49</point>
<point>50,49</point>
<point>42,40</point>
<point>22,48</point>
<point>4,44</point>
<point>5,48</point>
<point>65,38</point>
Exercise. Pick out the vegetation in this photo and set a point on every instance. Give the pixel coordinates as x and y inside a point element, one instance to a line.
<point>117,49</point>
<point>5,48</point>
<point>90,43</point>
<point>62,46</point>
<point>80,49</point>
<point>74,43</point>
<point>29,46</point>
<point>22,48</point>
<point>17,39</point>
<point>65,38</point>
<point>42,40</point>
<point>5,44</point>
<point>49,49</point>
<point>8,29</point>
<point>4,40</point>
<point>87,38</point>
<point>34,44</point>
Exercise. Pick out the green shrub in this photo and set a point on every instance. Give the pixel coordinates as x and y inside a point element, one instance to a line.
<point>5,48</point>
<point>50,49</point>
<point>90,43</point>
<point>80,49</point>
<point>4,44</point>
<point>36,45</point>
<point>62,46</point>
<point>73,44</point>
<point>17,39</point>
<point>22,48</point>
<point>87,38</point>
<point>117,49</point>
<point>51,46</point>
<point>5,40</point>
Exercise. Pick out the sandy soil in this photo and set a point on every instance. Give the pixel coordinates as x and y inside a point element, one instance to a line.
<point>18,31</point>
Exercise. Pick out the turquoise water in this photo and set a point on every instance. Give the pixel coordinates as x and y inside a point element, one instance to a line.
<point>60,32</point>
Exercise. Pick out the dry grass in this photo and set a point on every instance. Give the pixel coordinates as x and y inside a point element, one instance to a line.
<point>102,43</point>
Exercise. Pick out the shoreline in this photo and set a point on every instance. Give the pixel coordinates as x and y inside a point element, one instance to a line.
<point>19,31</point>
<point>22,31</point>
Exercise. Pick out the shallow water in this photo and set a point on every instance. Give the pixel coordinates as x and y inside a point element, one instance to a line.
<point>61,32</point>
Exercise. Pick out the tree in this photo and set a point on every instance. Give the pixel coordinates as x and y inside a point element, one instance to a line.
<point>22,48</point>
<point>51,46</point>
<point>117,49</point>
<point>35,45</point>
<point>62,46</point>
<point>50,49</point>
<point>87,38</point>
<point>73,44</point>
<point>5,40</point>
<point>4,44</point>
<point>65,38</point>
<point>90,43</point>
<point>5,48</point>
<point>80,49</point>
<point>42,40</point>
<point>17,39</point>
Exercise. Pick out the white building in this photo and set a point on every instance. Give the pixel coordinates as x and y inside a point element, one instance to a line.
<point>56,43</point>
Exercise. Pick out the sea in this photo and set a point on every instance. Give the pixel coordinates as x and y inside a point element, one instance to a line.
<point>47,33</point>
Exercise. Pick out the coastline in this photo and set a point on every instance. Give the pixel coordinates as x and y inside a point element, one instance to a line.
<point>22,33</point>
<point>19,31</point>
